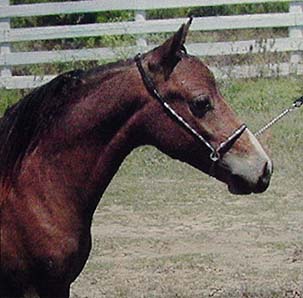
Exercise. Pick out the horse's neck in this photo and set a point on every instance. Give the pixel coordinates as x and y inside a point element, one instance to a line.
<point>78,159</point>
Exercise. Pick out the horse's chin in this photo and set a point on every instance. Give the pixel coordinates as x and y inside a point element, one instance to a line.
<point>240,186</point>
<point>238,191</point>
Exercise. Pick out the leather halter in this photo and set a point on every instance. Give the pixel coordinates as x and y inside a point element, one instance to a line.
<point>215,153</point>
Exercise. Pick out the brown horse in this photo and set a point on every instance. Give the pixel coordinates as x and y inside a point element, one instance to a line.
<point>61,145</point>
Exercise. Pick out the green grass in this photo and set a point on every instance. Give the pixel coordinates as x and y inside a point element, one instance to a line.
<point>7,98</point>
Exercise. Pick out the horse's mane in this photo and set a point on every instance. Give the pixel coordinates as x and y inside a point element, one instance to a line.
<point>23,123</point>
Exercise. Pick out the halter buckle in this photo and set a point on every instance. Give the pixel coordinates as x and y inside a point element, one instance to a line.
<point>214,156</point>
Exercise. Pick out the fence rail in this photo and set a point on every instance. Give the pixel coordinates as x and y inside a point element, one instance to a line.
<point>293,20</point>
<point>276,20</point>
<point>42,9</point>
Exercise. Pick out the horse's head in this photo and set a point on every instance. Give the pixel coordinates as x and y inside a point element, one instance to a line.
<point>189,87</point>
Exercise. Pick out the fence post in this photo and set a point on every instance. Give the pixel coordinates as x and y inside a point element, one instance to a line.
<point>295,32</point>
<point>140,16</point>
<point>5,71</point>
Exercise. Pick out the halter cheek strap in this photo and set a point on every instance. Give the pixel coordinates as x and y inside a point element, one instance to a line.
<point>215,153</point>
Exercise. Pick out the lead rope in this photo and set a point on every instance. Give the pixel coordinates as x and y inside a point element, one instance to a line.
<point>296,104</point>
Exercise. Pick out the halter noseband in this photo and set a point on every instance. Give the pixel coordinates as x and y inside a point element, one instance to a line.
<point>215,153</point>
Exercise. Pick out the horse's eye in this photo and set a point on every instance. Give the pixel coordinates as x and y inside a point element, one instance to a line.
<point>200,106</point>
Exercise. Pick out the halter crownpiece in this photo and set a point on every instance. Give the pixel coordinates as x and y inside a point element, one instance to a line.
<point>215,153</point>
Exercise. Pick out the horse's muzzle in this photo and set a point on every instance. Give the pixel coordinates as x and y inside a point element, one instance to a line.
<point>238,184</point>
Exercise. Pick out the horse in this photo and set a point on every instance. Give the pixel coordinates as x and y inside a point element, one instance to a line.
<point>61,145</point>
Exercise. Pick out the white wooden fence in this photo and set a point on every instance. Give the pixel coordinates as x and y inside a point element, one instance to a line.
<point>293,20</point>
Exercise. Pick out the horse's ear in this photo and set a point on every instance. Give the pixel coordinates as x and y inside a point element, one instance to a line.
<point>166,56</point>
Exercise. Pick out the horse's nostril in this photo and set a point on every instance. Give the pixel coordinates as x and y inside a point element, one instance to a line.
<point>264,180</point>
<point>267,171</point>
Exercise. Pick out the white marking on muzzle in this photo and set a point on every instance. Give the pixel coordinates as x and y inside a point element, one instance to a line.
<point>259,150</point>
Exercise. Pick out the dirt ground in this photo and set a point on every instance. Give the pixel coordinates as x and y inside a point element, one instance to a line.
<point>175,232</point>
